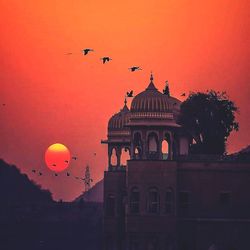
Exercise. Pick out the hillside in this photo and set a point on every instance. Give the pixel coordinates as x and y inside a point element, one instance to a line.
<point>17,188</point>
<point>95,194</point>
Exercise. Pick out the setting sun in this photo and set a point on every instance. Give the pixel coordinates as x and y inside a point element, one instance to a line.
<point>57,157</point>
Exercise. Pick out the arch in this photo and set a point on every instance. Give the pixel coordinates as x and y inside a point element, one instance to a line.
<point>137,145</point>
<point>169,201</point>
<point>166,146</point>
<point>125,155</point>
<point>134,200</point>
<point>153,200</point>
<point>113,157</point>
<point>153,145</point>
<point>165,149</point>
<point>110,205</point>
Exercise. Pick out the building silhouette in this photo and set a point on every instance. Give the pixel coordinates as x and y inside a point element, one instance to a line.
<point>164,198</point>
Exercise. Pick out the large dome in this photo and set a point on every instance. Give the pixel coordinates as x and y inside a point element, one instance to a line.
<point>151,100</point>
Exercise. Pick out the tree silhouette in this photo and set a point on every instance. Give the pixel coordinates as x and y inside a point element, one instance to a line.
<point>209,118</point>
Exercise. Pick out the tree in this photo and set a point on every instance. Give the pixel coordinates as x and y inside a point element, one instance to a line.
<point>209,118</point>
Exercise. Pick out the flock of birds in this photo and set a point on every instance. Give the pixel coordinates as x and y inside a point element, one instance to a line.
<point>68,174</point>
<point>104,59</point>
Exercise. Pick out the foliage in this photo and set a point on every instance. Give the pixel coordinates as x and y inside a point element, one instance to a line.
<point>209,118</point>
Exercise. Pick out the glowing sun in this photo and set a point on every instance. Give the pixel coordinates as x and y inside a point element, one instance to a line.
<point>57,157</point>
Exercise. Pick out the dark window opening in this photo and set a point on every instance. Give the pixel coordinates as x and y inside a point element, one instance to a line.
<point>135,201</point>
<point>153,201</point>
<point>169,198</point>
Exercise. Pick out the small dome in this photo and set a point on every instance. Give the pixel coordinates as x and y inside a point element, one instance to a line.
<point>151,100</point>
<point>118,120</point>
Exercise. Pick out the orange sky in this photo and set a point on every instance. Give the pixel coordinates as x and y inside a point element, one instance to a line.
<point>50,97</point>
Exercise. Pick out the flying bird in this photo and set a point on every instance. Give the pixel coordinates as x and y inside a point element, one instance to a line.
<point>134,68</point>
<point>68,174</point>
<point>40,173</point>
<point>33,170</point>
<point>184,94</point>
<point>74,157</point>
<point>86,51</point>
<point>56,174</point>
<point>106,59</point>
<point>130,94</point>
<point>66,161</point>
<point>54,165</point>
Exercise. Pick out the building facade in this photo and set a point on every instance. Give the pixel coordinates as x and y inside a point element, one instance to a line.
<point>161,199</point>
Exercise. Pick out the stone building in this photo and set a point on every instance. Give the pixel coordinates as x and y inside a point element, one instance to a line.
<point>163,199</point>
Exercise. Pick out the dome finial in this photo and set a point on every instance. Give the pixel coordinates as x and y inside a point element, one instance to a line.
<point>151,85</point>
<point>125,107</point>
<point>151,77</point>
<point>125,101</point>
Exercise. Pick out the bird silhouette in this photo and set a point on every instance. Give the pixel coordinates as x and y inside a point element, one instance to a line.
<point>33,170</point>
<point>86,51</point>
<point>184,94</point>
<point>40,173</point>
<point>74,157</point>
<point>66,161</point>
<point>130,94</point>
<point>54,165</point>
<point>134,68</point>
<point>106,59</point>
<point>68,174</point>
<point>56,174</point>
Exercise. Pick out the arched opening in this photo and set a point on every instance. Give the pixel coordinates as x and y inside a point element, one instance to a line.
<point>152,143</point>
<point>137,146</point>
<point>152,146</point>
<point>110,205</point>
<point>153,201</point>
<point>125,156</point>
<point>164,149</point>
<point>169,201</point>
<point>113,157</point>
<point>134,201</point>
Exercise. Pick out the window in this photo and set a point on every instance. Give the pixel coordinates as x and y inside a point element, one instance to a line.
<point>164,149</point>
<point>169,199</point>
<point>137,146</point>
<point>184,201</point>
<point>134,201</point>
<point>113,157</point>
<point>153,201</point>
<point>225,199</point>
<point>125,156</point>
<point>110,205</point>
<point>152,143</point>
